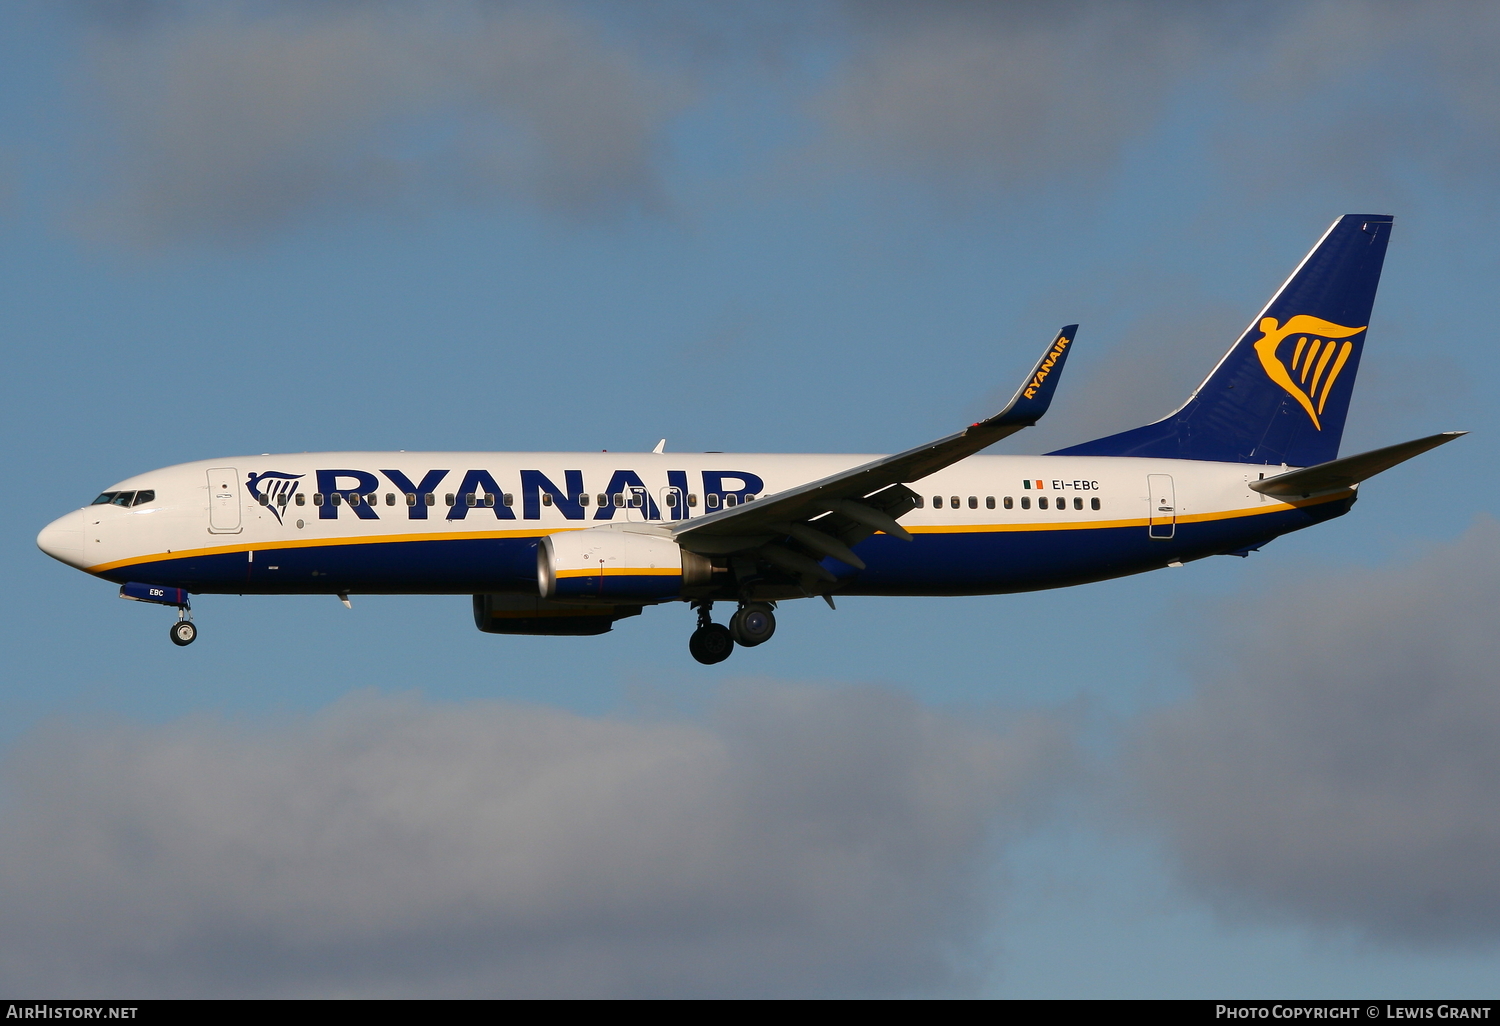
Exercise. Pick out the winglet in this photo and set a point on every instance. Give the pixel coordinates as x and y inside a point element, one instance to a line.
<point>1028,405</point>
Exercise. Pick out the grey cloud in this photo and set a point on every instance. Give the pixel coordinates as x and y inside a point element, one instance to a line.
<point>983,95</point>
<point>1339,763</point>
<point>1358,93</point>
<point>804,842</point>
<point>239,119</point>
<point>234,120</point>
<point>1337,92</point>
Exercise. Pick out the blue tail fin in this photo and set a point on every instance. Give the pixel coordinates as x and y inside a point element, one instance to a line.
<point>1281,393</point>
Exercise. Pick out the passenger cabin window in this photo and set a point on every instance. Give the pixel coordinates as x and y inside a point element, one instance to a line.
<point>954,500</point>
<point>411,498</point>
<point>1077,502</point>
<point>509,498</point>
<point>603,499</point>
<point>920,502</point>
<point>390,498</point>
<point>317,498</point>
<point>692,498</point>
<point>729,501</point>
<point>448,498</point>
<point>301,499</point>
<point>489,499</point>
<point>546,499</point>
<point>989,502</point>
<point>280,500</point>
<point>429,498</point>
<point>583,500</point>
<point>619,500</point>
<point>713,500</point>
<point>1025,502</point>
<point>264,499</point>
<point>937,502</point>
<point>1041,502</point>
<point>1093,503</point>
<point>336,498</point>
<point>974,502</point>
<point>470,500</point>
<point>1010,503</point>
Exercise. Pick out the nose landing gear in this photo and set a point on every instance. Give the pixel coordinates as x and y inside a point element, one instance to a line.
<point>183,633</point>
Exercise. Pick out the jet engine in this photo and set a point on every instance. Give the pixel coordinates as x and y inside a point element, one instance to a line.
<point>613,564</point>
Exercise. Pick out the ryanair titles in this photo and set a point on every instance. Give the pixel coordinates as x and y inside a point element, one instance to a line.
<point>454,494</point>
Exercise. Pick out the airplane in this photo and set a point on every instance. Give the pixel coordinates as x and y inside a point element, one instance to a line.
<point>570,543</point>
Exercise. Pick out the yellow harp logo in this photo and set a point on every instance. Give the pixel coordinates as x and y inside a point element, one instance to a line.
<point>1318,353</point>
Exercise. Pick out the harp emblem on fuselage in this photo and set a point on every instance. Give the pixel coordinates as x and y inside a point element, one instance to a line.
<point>1305,356</point>
<point>277,487</point>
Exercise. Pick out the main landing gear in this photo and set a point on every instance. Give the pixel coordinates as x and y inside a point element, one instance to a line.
<point>753,624</point>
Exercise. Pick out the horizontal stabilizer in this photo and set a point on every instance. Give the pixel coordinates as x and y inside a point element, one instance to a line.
<point>1349,471</point>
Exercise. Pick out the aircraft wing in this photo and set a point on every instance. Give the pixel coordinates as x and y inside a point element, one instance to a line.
<point>1344,473</point>
<point>849,506</point>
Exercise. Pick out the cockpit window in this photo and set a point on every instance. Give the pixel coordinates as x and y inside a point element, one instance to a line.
<point>122,498</point>
<point>144,497</point>
<point>104,499</point>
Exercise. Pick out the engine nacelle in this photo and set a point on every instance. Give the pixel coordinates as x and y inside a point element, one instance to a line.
<point>609,563</point>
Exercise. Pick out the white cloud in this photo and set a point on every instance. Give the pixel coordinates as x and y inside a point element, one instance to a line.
<point>1339,763</point>
<point>807,842</point>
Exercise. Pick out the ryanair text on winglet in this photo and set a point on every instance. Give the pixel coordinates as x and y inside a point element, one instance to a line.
<point>1046,368</point>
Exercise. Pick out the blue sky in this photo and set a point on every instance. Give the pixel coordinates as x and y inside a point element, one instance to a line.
<point>849,227</point>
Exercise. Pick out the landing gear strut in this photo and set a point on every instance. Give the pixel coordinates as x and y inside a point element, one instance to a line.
<point>711,642</point>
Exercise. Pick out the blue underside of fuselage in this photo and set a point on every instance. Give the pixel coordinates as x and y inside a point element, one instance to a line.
<point>938,563</point>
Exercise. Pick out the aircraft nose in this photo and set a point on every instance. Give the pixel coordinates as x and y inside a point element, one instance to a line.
<point>63,539</point>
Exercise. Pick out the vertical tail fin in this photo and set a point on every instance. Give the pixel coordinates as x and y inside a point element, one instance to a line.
<point>1281,393</point>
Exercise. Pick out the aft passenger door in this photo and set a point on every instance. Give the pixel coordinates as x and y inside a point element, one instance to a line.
<point>224,501</point>
<point>1163,515</point>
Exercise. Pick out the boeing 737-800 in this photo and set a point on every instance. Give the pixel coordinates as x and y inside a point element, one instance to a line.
<point>569,543</point>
